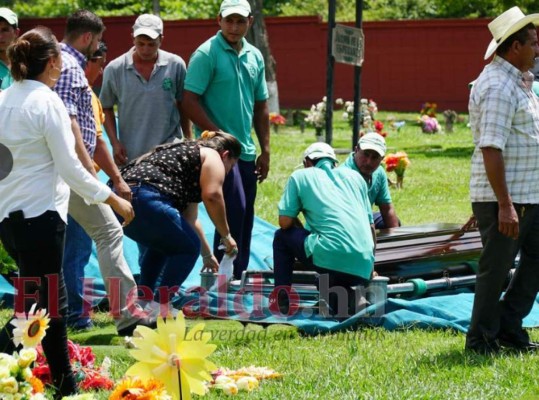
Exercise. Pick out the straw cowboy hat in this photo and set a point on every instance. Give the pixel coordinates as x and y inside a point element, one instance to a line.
<point>506,24</point>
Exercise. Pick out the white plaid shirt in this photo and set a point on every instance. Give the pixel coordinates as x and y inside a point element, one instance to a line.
<point>504,114</point>
<point>73,89</point>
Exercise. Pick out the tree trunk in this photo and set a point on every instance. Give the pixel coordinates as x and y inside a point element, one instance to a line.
<point>258,36</point>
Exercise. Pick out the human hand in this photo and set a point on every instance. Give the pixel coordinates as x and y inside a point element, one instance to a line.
<point>262,166</point>
<point>209,263</point>
<point>470,224</point>
<point>120,153</point>
<point>122,189</point>
<point>121,207</point>
<point>508,221</point>
<point>231,247</point>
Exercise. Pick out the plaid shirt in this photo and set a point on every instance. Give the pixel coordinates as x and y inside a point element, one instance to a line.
<point>504,114</point>
<point>73,89</point>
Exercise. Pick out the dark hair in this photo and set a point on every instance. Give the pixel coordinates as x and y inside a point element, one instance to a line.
<point>101,50</point>
<point>220,141</point>
<point>522,35</point>
<point>14,26</point>
<point>30,53</point>
<point>83,21</point>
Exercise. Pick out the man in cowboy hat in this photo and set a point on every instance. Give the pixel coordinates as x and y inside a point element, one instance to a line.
<point>504,189</point>
<point>339,243</point>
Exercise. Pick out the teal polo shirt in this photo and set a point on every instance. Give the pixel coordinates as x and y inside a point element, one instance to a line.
<point>336,208</point>
<point>228,84</point>
<point>378,189</point>
<point>5,76</point>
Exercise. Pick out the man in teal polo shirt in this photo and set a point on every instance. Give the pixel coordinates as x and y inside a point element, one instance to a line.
<point>366,160</point>
<point>339,241</point>
<point>225,89</point>
<point>9,31</point>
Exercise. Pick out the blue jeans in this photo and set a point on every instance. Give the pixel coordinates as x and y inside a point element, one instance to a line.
<point>169,246</point>
<point>77,252</point>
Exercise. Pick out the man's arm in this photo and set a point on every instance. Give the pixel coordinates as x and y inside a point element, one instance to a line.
<point>192,110</point>
<point>118,149</point>
<point>289,222</point>
<point>495,169</point>
<point>262,130</point>
<point>80,149</point>
<point>103,158</point>
<point>389,215</point>
<point>184,122</point>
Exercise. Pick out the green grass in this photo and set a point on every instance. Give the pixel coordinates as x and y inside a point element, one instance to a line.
<point>369,363</point>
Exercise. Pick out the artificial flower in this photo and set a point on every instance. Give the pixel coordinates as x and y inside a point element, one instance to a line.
<point>37,385</point>
<point>84,396</point>
<point>276,119</point>
<point>229,388</point>
<point>175,358</point>
<point>247,383</point>
<point>397,162</point>
<point>26,357</point>
<point>132,388</point>
<point>30,329</point>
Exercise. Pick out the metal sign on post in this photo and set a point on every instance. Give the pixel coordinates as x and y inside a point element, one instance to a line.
<point>348,45</point>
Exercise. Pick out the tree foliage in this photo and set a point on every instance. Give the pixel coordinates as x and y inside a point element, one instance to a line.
<point>374,10</point>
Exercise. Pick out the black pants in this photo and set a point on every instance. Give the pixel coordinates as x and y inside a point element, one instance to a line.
<point>492,316</point>
<point>37,246</point>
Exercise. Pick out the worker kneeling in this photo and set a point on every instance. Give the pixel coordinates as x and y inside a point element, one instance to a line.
<point>338,239</point>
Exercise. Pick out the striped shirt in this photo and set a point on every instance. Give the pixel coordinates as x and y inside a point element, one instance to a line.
<point>504,114</point>
<point>73,89</point>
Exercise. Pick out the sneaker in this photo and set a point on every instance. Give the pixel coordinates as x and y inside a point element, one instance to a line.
<point>128,330</point>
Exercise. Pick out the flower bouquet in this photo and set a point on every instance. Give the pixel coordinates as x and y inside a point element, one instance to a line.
<point>397,162</point>
<point>88,375</point>
<point>275,120</point>
<point>428,109</point>
<point>317,117</point>
<point>16,378</point>
<point>428,124</point>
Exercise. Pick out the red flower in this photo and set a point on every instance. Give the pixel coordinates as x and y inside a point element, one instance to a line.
<point>95,381</point>
<point>43,372</point>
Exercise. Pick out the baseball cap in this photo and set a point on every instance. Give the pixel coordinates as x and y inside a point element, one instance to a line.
<point>373,141</point>
<point>149,25</point>
<point>229,7</point>
<point>9,16</point>
<point>319,150</point>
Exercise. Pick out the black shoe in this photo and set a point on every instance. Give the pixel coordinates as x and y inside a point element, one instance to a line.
<point>482,347</point>
<point>128,330</point>
<point>518,344</point>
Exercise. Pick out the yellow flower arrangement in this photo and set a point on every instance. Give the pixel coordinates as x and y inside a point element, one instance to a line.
<point>176,358</point>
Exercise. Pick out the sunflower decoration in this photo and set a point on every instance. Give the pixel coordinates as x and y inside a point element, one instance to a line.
<point>30,329</point>
<point>132,388</point>
<point>175,357</point>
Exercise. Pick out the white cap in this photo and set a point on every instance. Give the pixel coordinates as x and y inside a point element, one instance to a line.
<point>229,7</point>
<point>319,150</point>
<point>506,24</point>
<point>373,141</point>
<point>9,16</point>
<point>149,25</point>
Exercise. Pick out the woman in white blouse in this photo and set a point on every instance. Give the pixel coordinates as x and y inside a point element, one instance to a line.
<point>37,166</point>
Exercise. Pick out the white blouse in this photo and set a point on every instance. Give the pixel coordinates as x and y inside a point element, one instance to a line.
<point>37,154</point>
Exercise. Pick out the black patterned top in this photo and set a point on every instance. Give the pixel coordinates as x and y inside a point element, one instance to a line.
<point>172,169</point>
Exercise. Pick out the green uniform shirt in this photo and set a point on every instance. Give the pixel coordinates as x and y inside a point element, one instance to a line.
<point>378,189</point>
<point>228,84</point>
<point>337,211</point>
<point>5,76</point>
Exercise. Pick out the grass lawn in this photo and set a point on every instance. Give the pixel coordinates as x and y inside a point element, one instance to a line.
<point>369,363</point>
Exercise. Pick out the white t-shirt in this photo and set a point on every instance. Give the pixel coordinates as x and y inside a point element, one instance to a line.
<point>38,154</point>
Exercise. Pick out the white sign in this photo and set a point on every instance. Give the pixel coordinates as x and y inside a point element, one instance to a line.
<point>348,45</point>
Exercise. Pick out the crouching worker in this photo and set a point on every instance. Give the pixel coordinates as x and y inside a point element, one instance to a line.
<point>339,241</point>
<point>167,184</point>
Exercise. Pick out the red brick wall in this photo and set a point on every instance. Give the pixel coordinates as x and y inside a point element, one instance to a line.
<point>406,62</point>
